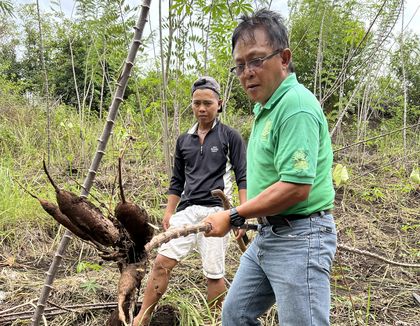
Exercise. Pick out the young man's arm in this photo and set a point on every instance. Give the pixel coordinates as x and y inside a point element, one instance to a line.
<point>238,160</point>
<point>242,196</point>
<point>176,186</point>
<point>173,201</point>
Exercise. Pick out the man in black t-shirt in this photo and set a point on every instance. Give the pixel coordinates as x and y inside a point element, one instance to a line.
<point>204,158</point>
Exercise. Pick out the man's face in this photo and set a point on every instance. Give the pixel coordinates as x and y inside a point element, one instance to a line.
<point>261,82</point>
<point>205,104</point>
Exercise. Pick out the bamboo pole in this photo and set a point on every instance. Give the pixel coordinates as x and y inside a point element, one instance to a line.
<point>100,152</point>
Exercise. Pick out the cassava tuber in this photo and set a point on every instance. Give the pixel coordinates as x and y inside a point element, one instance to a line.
<point>86,216</point>
<point>129,283</point>
<point>133,218</point>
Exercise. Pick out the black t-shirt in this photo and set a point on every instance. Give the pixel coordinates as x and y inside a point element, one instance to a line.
<point>200,168</point>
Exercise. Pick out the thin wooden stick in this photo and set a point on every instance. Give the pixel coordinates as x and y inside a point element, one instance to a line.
<point>49,312</point>
<point>376,137</point>
<point>376,256</point>
<point>4,312</point>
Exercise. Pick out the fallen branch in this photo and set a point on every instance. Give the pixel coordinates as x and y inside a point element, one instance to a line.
<point>376,256</point>
<point>4,312</point>
<point>8,318</point>
<point>376,137</point>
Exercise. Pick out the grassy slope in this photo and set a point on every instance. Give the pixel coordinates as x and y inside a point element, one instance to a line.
<point>377,211</point>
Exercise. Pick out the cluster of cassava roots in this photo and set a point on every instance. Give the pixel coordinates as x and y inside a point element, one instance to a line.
<point>125,237</point>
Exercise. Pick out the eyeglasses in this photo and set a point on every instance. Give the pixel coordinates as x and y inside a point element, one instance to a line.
<point>252,64</point>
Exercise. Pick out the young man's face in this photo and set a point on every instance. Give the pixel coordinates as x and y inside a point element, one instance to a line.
<point>260,82</point>
<point>205,105</point>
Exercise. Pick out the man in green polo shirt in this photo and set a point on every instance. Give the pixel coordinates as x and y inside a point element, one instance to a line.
<point>290,189</point>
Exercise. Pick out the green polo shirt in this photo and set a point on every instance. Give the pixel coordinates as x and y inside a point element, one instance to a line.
<point>290,142</point>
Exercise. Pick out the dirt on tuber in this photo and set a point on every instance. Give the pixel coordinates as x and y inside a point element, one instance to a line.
<point>134,219</point>
<point>86,216</point>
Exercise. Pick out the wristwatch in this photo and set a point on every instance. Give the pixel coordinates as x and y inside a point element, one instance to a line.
<point>235,218</point>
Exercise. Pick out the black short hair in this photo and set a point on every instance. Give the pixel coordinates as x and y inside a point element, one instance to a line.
<point>271,22</point>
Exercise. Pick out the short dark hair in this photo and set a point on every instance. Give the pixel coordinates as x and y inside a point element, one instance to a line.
<point>271,22</point>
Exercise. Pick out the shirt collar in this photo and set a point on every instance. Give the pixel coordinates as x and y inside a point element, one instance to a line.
<point>194,128</point>
<point>285,85</point>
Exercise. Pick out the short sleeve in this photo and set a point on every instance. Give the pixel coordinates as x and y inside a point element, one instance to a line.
<point>296,148</point>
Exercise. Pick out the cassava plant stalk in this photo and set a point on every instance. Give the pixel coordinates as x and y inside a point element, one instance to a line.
<point>404,82</point>
<point>164,106</point>
<point>175,233</point>
<point>226,205</point>
<point>103,140</point>
<point>44,70</point>
<point>182,231</point>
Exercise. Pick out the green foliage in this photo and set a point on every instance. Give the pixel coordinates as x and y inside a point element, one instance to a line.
<point>415,176</point>
<point>83,56</point>
<point>340,175</point>
<point>373,194</point>
<point>387,106</point>
<point>410,227</point>
<point>340,32</point>
<point>409,54</point>
<point>194,312</point>
<point>15,204</point>
<point>90,286</point>
<point>9,65</point>
<point>6,7</point>
<point>86,266</point>
<point>415,252</point>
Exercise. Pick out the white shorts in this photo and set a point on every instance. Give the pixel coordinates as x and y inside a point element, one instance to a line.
<point>211,249</point>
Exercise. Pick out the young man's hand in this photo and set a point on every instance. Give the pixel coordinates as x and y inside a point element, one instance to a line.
<point>165,221</point>
<point>220,224</point>
<point>239,233</point>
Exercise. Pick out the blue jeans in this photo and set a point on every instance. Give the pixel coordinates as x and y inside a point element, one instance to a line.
<point>289,266</point>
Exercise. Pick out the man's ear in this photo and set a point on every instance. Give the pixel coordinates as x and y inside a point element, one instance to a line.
<point>220,103</point>
<point>286,56</point>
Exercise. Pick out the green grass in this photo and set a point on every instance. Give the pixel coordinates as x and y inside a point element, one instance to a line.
<point>192,306</point>
<point>24,144</point>
<point>15,204</point>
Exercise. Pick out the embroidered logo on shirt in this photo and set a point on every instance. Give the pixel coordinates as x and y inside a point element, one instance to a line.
<point>214,149</point>
<point>300,160</point>
<point>266,130</point>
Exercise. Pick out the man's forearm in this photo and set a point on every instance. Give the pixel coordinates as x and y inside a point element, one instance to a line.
<point>276,198</point>
<point>242,195</point>
<point>173,201</point>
